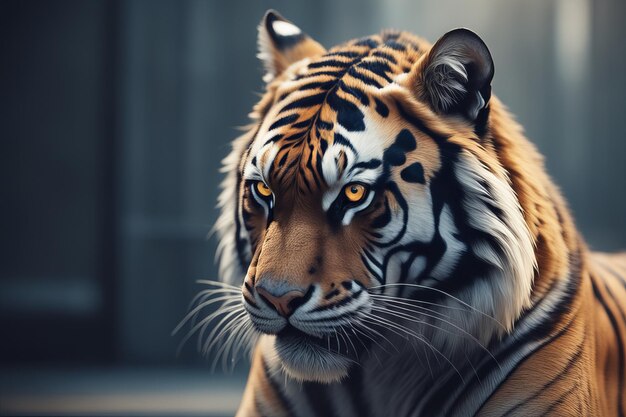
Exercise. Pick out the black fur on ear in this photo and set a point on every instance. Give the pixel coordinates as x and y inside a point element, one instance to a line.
<point>281,43</point>
<point>456,74</point>
<point>285,34</point>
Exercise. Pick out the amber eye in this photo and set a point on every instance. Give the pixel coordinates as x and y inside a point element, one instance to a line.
<point>263,189</point>
<point>355,192</point>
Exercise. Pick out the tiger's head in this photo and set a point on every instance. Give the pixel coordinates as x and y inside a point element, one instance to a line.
<point>369,179</point>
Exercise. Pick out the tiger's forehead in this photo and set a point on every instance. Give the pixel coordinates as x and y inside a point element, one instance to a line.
<point>326,123</point>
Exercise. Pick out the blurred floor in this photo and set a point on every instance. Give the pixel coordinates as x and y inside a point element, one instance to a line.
<point>118,392</point>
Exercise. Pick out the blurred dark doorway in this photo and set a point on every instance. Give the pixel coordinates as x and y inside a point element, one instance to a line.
<point>59,204</point>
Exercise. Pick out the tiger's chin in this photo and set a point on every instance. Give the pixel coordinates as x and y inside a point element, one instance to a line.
<point>304,359</point>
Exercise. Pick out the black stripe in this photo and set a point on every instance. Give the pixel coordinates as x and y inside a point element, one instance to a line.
<point>364,78</point>
<point>334,74</point>
<point>561,400</point>
<point>284,121</point>
<point>285,171</point>
<point>610,268</point>
<point>372,271</point>
<point>555,378</point>
<point>331,294</point>
<point>381,108</point>
<point>393,188</point>
<point>377,67</point>
<point>274,138</point>
<point>324,85</point>
<point>348,114</point>
<point>385,55</point>
<point>282,397</point>
<point>324,125</point>
<point>371,164</point>
<point>395,45</point>
<point>298,136</point>
<point>314,173</point>
<point>393,35</point>
<point>302,176</point>
<point>618,338</point>
<point>355,92</point>
<point>346,54</point>
<point>283,159</point>
<point>419,124</point>
<point>304,123</point>
<point>383,218</point>
<point>341,140</point>
<point>240,244</point>
<point>331,63</point>
<point>305,102</point>
<point>370,43</point>
<point>371,258</point>
<point>346,300</point>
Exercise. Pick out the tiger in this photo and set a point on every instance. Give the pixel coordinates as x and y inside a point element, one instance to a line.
<point>398,247</point>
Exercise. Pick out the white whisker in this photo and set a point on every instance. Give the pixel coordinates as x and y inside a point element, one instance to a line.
<point>405,316</point>
<point>218,329</point>
<point>390,325</point>
<point>217,284</point>
<point>425,287</point>
<point>200,307</point>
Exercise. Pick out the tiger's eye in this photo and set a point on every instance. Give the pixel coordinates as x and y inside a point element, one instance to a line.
<point>355,192</point>
<point>263,189</point>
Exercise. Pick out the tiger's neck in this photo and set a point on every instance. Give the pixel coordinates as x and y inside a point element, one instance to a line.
<point>547,216</point>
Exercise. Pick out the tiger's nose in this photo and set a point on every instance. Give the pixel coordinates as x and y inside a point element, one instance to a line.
<point>284,298</point>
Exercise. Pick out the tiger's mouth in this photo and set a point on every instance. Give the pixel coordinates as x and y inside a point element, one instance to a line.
<point>310,358</point>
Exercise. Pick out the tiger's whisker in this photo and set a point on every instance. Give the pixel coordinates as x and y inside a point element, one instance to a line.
<point>217,284</point>
<point>225,332</point>
<point>208,293</point>
<point>391,298</point>
<point>463,331</point>
<point>425,287</point>
<point>389,324</point>
<point>218,329</point>
<point>200,307</point>
<point>233,332</point>
<point>204,322</point>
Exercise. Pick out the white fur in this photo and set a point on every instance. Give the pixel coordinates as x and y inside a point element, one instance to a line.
<point>283,28</point>
<point>444,89</point>
<point>229,266</point>
<point>266,53</point>
<point>510,287</point>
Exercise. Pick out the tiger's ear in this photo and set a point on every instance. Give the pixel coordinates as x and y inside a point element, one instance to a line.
<point>455,76</point>
<point>281,43</point>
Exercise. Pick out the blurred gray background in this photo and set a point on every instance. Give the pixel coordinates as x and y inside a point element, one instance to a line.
<point>114,116</point>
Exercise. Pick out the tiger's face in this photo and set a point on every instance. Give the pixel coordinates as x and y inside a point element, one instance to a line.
<point>368,181</point>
